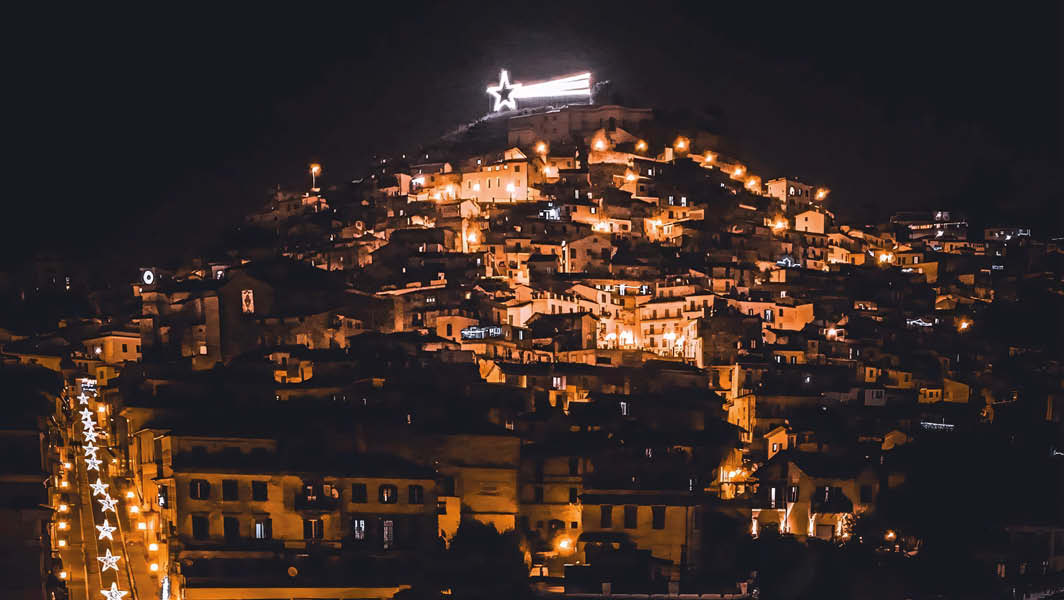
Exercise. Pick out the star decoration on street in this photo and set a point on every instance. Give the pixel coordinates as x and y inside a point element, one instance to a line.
<point>99,488</point>
<point>114,593</point>
<point>109,561</point>
<point>107,503</point>
<point>82,398</point>
<point>90,449</point>
<point>90,435</point>
<point>504,92</point>
<point>86,414</point>
<point>106,530</point>
<point>92,463</point>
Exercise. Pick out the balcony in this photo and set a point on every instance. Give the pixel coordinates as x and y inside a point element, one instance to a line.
<point>316,503</point>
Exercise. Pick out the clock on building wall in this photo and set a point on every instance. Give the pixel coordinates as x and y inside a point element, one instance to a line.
<point>147,276</point>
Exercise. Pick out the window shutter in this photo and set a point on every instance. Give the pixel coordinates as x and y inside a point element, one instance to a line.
<point>269,529</point>
<point>308,529</point>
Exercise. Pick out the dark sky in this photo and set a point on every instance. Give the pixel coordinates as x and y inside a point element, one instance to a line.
<point>143,133</point>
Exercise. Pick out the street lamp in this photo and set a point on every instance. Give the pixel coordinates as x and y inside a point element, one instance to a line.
<point>315,170</point>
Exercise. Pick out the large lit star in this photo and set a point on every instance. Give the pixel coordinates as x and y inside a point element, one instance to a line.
<point>114,593</point>
<point>86,414</point>
<point>90,434</point>
<point>106,530</point>
<point>82,398</point>
<point>90,449</point>
<point>99,488</point>
<point>109,561</point>
<point>504,93</point>
<point>92,463</point>
<point>107,503</point>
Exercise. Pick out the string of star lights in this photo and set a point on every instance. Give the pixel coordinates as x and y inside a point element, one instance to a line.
<point>507,94</point>
<point>108,560</point>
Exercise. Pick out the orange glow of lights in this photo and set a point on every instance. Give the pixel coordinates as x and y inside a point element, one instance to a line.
<point>142,526</point>
<point>63,525</point>
<point>471,238</point>
<point>890,535</point>
<point>153,547</point>
<point>541,148</point>
<point>709,158</point>
<point>129,494</point>
<point>753,183</point>
<point>154,567</point>
<point>315,169</point>
<point>964,324</point>
<point>62,574</point>
<point>62,543</point>
<point>739,171</point>
<point>822,193</point>
<point>63,508</point>
<point>66,465</point>
<point>681,144</point>
<point>565,544</point>
<point>629,176</point>
<point>63,484</point>
<point>600,144</point>
<point>641,146</point>
<point>134,509</point>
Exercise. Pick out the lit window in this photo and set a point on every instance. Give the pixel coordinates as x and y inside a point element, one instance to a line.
<point>358,529</point>
<point>388,494</point>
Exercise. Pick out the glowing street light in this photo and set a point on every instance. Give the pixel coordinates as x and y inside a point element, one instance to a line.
<point>822,193</point>
<point>541,148</point>
<point>641,146</point>
<point>964,325</point>
<point>315,170</point>
<point>681,144</point>
<point>709,158</point>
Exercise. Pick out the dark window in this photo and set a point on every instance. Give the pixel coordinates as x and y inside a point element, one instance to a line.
<point>388,494</point>
<point>659,517</point>
<point>631,514</point>
<point>229,491</point>
<point>573,495</point>
<point>231,527</point>
<point>199,489</point>
<point>868,494</point>
<point>124,349</point>
<point>539,469</point>
<point>522,523</point>
<point>201,528</point>
<point>606,518</point>
<point>537,494</point>
<point>574,465</point>
<point>313,529</point>
<point>258,491</point>
<point>416,494</point>
<point>574,525</point>
<point>358,493</point>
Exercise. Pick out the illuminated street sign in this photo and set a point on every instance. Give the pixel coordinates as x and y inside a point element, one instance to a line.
<point>480,333</point>
<point>506,94</point>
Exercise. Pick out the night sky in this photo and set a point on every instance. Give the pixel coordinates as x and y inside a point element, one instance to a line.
<point>143,134</point>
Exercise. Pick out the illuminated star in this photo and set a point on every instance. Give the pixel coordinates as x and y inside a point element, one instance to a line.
<point>86,414</point>
<point>504,92</point>
<point>109,561</point>
<point>92,464</point>
<point>99,488</point>
<point>106,530</point>
<point>107,503</point>
<point>90,449</point>
<point>82,398</point>
<point>114,593</point>
<point>90,434</point>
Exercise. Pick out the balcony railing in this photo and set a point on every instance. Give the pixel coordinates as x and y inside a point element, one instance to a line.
<point>317,503</point>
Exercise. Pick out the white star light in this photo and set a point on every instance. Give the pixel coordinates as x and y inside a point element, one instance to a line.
<point>90,434</point>
<point>109,561</point>
<point>86,414</point>
<point>504,89</point>
<point>92,464</point>
<point>82,398</point>
<point>90,449</point>
<point>114,593</point>
<point>106,530</point>
<point>99,488</point>
<point>107,503</point>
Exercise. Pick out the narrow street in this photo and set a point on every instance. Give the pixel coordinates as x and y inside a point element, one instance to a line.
<point>85,543</point>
